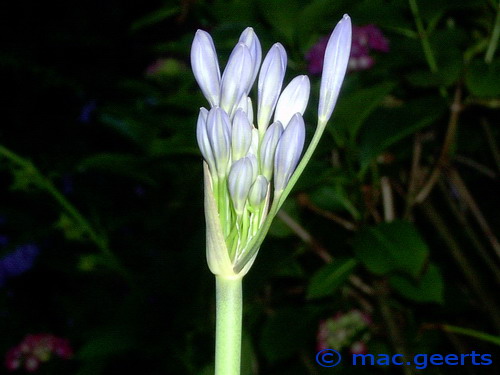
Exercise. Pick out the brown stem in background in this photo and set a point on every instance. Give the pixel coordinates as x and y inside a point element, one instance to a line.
<point>466,227</point>
<point>488,303</point>
<point>466,196</point>
<point>443,159</point>
<point>491,142</point>
<point>305,236</point>
<point>318,249</point>
<point>414,174</point>
<point>393,329</point>
<point>387,200</point>
<point>304,201</point>
<point>476,166</point>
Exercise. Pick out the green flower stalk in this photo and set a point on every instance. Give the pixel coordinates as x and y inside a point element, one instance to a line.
<point>249,171</point>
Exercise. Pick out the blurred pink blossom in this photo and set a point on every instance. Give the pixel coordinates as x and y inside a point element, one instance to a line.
<point>364,40</point>
<point>35,349</point>
<point>348,330</point>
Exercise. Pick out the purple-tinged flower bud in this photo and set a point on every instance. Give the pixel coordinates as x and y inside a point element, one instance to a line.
<point>236,78</point>
<point>268,149</point>
<point>293,99</point>
<point>288,151</point>
<point>203,139</point>
<point>241,135</point>
<point>240,180</point>
<point>334,68</point>
<point>249,38</point>
<point>254,146</point>
<point>258,191</point>
<point>249,110</point>
<point>219,135</point>
<point>271,77</point>
<point>206,66</point>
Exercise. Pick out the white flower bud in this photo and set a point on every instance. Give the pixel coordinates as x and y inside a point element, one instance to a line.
<point>206,66</point>
<point>288,151</point>
<point>236,78</point>
<point>249,38</point>
<point>219,134</point>
<point>240,180</point>
<point>269,85</point>
<point>258,192</point>
<point>241,135</point>
<point>335,63</point>
<point>203,140</point>
<point>293,99</point>
<point>268,149</point>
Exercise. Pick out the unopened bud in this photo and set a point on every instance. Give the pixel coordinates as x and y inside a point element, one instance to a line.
<point>219,134</point>
<point>268,149</point>
<point>293,99</point>
<point>239,182</point>
<point>288,151</point>
<point>269,85</point>
<point>258,192</point>
<point>206,66</point>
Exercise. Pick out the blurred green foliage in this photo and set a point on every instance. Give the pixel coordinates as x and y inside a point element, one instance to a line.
<point>396,215</point>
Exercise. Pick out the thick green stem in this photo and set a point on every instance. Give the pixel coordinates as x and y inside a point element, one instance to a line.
<point>228,326</point>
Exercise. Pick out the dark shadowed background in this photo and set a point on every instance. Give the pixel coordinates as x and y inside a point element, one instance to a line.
<point>389,243</point>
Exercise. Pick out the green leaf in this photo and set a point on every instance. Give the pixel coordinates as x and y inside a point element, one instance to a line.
<point>314,17</point>
<point>279,228</point>
<point>71,229</point>
<point>428,288</point>
<point>127,165</point>
<point>353,108</point>
<point>483,80</point>
<point>329,278</point>
<point>389,125</point>
<point>334,198</point>
<point>285,332</point>
<point>282,15</point>
<point>106,344</point>
<point>155,17</point>
<point>391,247</point>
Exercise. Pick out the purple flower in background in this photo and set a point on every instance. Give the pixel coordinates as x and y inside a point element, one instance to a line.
<point>4,240</point>
<point>364,40</point>
<point>18,261</point>
<point>86,112</point>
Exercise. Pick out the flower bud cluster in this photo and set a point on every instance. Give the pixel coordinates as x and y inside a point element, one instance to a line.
<point>250,161</point>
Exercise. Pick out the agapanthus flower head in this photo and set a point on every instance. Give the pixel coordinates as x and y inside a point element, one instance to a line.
<point>250,160</point>
<point>365,39</point>
<point>35,349</point>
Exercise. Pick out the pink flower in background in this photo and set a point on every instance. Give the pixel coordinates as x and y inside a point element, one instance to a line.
<point>364,40</point>
<point>35,349</point>
<point>348,330</point>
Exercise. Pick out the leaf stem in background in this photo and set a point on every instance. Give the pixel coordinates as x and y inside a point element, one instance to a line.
<point>382,295</point>
<point>489,304</point>
<point>472,333</point>
<point>467,197</point>
<point>387,199</point>
<point>491,142</point>
<point>494,40</point>
<point>443,159</point>
<point>414,174</point>
<point>467,228</point>
<point>44,183</point>
<point>229,307</point>
<point>426,46</point>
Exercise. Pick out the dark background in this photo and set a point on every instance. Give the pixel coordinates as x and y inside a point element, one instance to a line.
<point>99,170</point>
